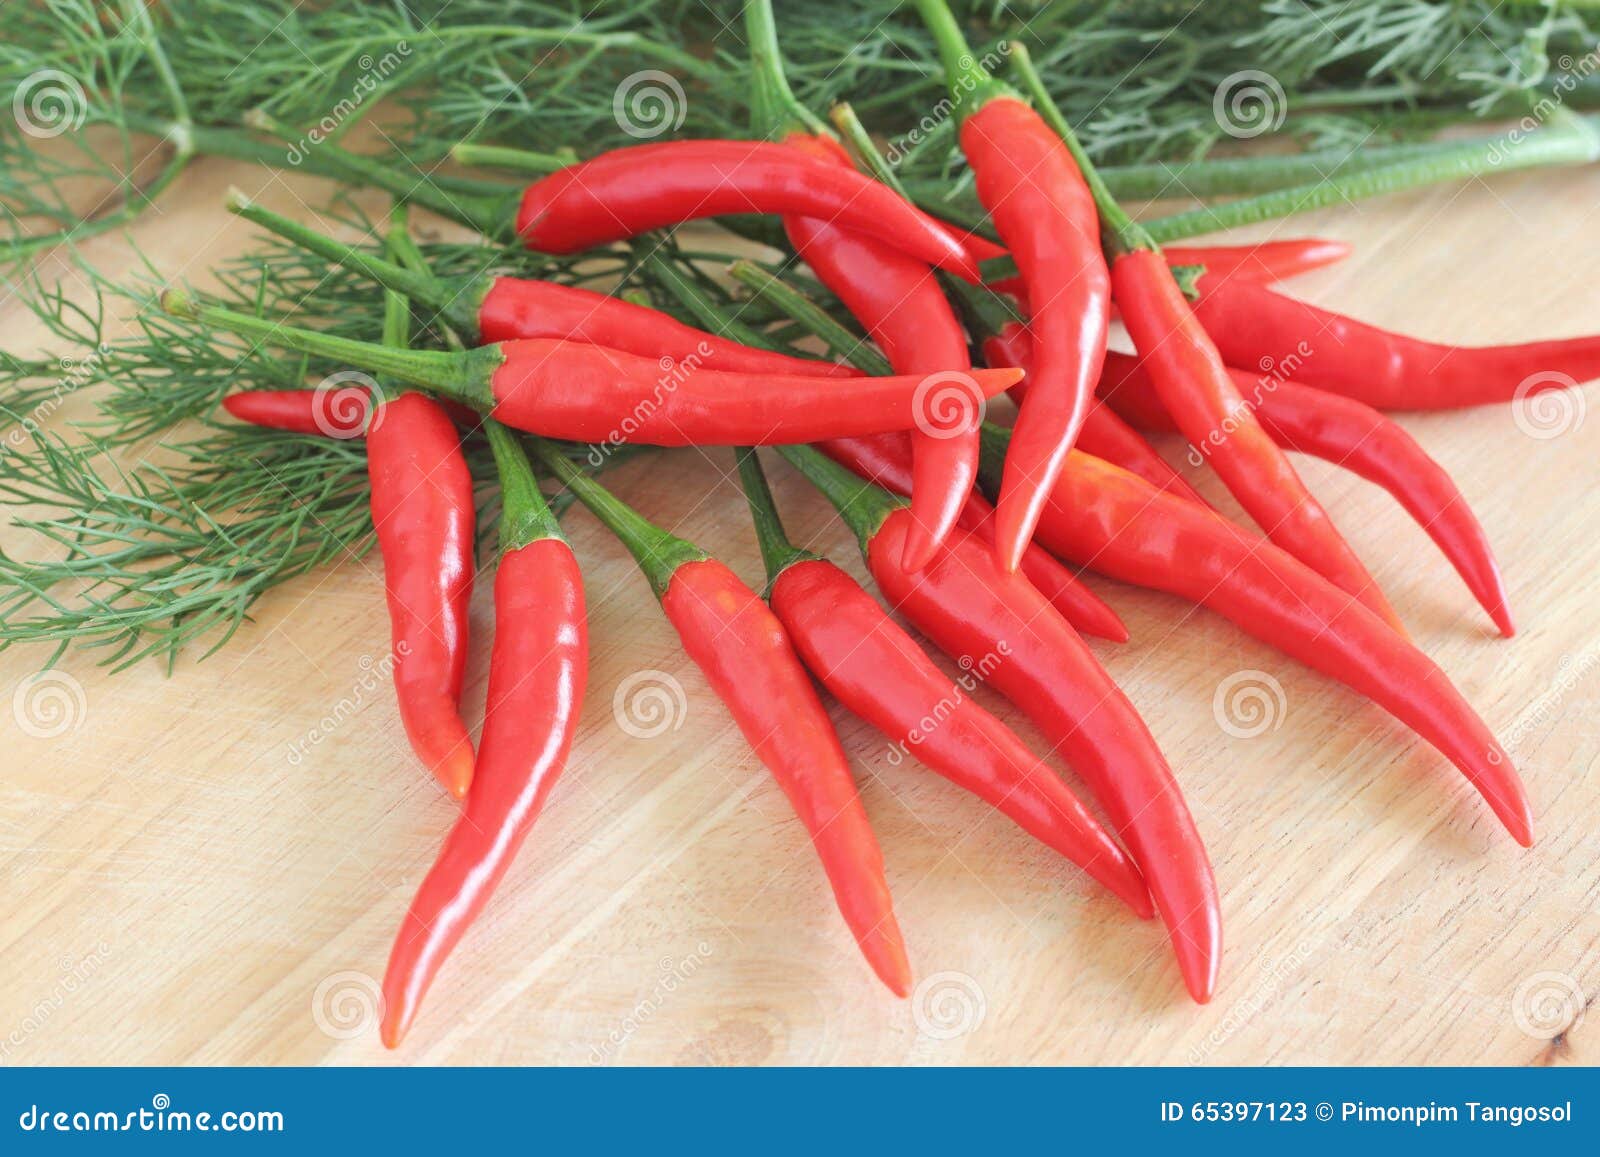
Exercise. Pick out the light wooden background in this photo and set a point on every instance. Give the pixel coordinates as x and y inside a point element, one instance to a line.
<point>181,889</point>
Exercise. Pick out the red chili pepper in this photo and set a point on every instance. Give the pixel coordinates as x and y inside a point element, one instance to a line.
<point>734,638</point>
<point>969,606</point>
<point>1252,325</point>
<point>423,510</point>
<point>1196,390</point>
<point>1104,434</point>
<point>876,670</point>
<point>1353,435</point>
<point>1118,524</point>
<point>628,191</point>
<point>484,308</point>
<point>586,393</point>
<point>537,673</point>
<point>339,413</point>
<point>899,301</point>
<point>887,460</point>
<point>1034,193</point>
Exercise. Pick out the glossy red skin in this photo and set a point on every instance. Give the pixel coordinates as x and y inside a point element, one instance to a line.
<point>1265,261</point>
<point>1353,435</point>
<point>537,673</point>
<point>425,518</point>
<point>736,640</point>
<point>332,414</point>
<point>877,670</point>
<point>517,308</point>
<point>899,301</point>
<point>1104,434</point>
<point>1118,524</point>
<point>1386,370</point>
<point>587,393</point>
<point>1037,198</point>
<point>886,459</point>
<point>625,192</point>
<point>970,607</point>
<point>1195,388</point>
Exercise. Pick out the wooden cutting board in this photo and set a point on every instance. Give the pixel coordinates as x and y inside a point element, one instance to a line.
<point>208,868</point>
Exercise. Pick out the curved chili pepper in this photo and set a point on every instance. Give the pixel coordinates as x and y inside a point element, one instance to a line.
<point>887,460</point>
<point>1252,325</point>
<point>423,511</point>
<point>969,606</point>
<point>1104,434</point>
<point>587,393</point>
<point>736,640</point>
<point>876,670</point>
<point>900,303</point>
<point>1035,194</point>
<point>339,413</point>
<point>485,308</point>
<point>628,191</point>
<point>537,672</point>
<point>1194,387</point>
<point>1353,435</point>
<point>1118,524</point>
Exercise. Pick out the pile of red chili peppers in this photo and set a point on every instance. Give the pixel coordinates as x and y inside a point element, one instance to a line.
<point>1074,485</point>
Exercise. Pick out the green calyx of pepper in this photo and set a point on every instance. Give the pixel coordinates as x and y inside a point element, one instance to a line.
<point>658,552</point>
<point>778,553</point>
<point>456,302</point>
<point>464,376</point>
<point>970,84</point>
<point>525,516</point>
<point>863,505</point>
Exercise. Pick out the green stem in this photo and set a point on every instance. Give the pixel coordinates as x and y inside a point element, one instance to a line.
<point>694,301</point>
<point>396,304</point>
<point>792,303</point>
<point>849,126</point>
<point>658,553</point>
<point>1569,140</point>
<point>861,504</point>
<point>993,442</point>
<point>1121,231</point>
<point>778,554</point>
<point>969,83</point>
<point>1236,176</point>
<point>774,111</point>
<point>463,377</point>
<point>456,302</point>
<point>525,517</point>
<point>488,215</point>
<point>513,160</point>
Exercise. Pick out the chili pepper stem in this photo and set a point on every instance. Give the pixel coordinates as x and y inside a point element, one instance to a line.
<point>525,517</point>
<point>457,304</point>
<point>791,302</point>
<point>860,503</point>
<point>778,554</point>
<point>658,553</point>
<point>970,84</point>
<point>774,111</point>
<point>512,160</point>
<point>462,377</point>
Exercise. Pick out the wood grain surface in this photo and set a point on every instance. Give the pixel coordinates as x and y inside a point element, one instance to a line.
<point>208,868</point>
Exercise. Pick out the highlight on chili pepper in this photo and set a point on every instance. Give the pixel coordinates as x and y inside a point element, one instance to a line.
<point>912,260</point>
